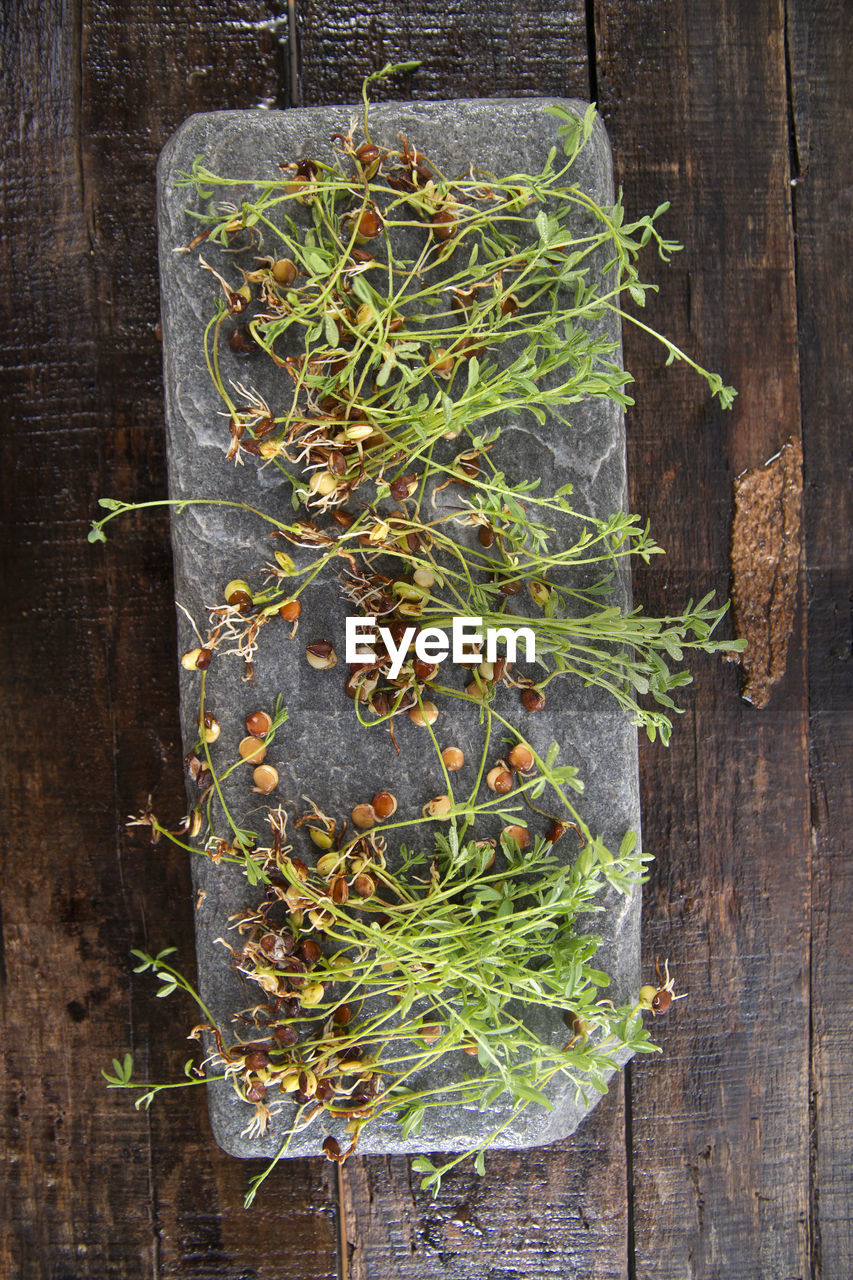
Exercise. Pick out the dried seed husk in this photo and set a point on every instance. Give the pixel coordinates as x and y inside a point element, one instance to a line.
<point>438,807</point>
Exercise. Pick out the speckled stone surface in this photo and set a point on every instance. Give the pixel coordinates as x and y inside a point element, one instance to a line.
<point>322,751</point>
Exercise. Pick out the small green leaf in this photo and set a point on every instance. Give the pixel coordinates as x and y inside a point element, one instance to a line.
<point>331,330</point>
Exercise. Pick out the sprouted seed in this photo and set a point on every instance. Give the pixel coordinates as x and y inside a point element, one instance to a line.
<point>384,352</point>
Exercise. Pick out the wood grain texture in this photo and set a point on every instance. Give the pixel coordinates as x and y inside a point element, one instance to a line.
<point>694,97</point>
<point>547,1214</point>
<point>95,1188</point>
<point>821,56</point>
<point>724,1180</point>
<point>467,48</point>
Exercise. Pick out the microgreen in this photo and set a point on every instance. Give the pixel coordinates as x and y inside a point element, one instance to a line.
<point>402,309</point>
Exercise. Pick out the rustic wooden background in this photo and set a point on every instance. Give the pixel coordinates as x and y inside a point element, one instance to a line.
<point>728,1157</point>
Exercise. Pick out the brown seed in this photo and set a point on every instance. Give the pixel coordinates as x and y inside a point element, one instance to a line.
<point>440,362</point>
<point>425,670</point>
<point>520,835</point>
<point>240,600</point>
<point>277,946</point>
<point>258,723</point>
<point>252,749</point>
<point>363,885</point>
<point>556,831</point>
<point>265,778</point>
<point>661,1001</point>
<point>197,659</point>
<point>485,535</point>
<point>426,713</point>
<point>257,1059</point>
<point>339,890</point>
<point>404,486</point>
<point>290,610</point>
<point>444,223</point>
<point>499,780</point>
<point>364,816</point>
<point>310,951</point>
<point>342,1015</point>
<point>240,341</point>
<point>510,588</point>
<point>284,272</point>
<point>521,758</point>
<point>453,758</point>
<point>487,848</point>
<point>369,225</point>
<point>321,656</point>
<point>533,700</point>
<point>384,804</point>
<point>343,519</point>
<point>331,1148</point>
<point>368,156</point>
<point>429,1032</point>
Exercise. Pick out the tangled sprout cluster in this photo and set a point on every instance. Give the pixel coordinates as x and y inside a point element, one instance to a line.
<point>395,320</point>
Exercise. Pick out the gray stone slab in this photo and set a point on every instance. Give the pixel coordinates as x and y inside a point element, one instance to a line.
<point>323,752</point>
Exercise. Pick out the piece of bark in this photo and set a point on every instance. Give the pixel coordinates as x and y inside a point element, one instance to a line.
<point>765,558</point>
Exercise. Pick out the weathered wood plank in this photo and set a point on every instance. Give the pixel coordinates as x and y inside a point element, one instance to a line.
<point>821,55</point>
<point>468,48</point>
<point>694,97</point>
<point>562,1210</point>
<point>95,1188</point>
<point>549,1214</point>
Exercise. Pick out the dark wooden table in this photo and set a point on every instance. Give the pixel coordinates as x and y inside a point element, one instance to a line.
<point>730,1155</point>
